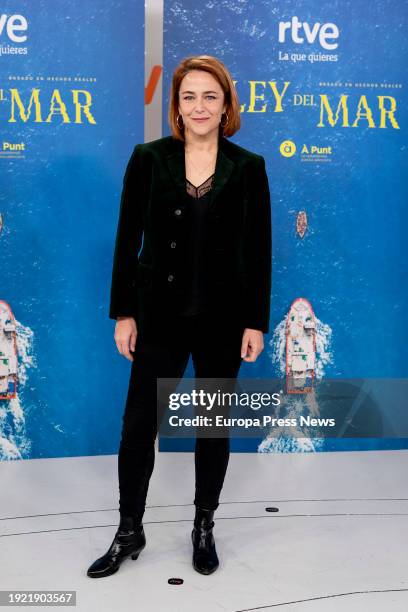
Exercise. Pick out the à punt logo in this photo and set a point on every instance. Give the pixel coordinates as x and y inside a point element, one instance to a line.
<point>287,148</point>
<point>309,152</point>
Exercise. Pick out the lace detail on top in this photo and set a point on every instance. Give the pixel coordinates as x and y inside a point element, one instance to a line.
<point>199,191</point>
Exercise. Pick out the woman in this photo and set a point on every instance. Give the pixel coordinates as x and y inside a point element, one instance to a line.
<point>197,208</point>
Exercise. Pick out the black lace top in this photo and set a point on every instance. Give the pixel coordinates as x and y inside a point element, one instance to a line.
<point>200,198</point>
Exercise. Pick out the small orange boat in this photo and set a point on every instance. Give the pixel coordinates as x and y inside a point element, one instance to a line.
<point>301,223</point>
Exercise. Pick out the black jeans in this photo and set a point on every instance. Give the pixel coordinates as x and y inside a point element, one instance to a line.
<point>215,347</point>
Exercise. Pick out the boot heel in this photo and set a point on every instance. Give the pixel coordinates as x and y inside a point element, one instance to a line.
<point>137,552</point>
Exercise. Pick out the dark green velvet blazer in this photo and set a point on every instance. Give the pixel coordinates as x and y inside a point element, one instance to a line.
<point>150,272</point>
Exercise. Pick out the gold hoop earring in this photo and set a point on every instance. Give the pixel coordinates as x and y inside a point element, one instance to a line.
<point>180,127</point>
<point>226,123</point>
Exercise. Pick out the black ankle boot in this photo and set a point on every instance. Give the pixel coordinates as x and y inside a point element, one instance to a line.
<point>205,558</point>
<point>129,540</point>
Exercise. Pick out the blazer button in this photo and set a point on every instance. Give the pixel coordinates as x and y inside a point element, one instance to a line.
<point>173,245</point>
<point>177,212</point>
<point>170,278</point>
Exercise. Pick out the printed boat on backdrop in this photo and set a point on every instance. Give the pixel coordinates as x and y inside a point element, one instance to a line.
<point>301,223</point>
<point>300,347</point>
<point>8,353</point>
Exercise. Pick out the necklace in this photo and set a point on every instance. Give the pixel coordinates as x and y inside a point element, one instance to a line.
<point>200,172</point>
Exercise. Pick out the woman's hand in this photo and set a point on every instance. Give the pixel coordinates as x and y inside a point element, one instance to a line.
<point>252,344</point>
<point>125,336</point>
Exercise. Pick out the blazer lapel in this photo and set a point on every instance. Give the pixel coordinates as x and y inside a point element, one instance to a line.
<point>224,167</point>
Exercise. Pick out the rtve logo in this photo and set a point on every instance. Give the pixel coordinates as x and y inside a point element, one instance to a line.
<point>325,31</point>
<point>11,25</point>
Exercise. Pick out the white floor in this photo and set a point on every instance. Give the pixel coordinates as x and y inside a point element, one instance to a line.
<point>339,541</point>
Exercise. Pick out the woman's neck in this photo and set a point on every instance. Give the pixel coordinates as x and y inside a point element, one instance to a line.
<point>206,144</point>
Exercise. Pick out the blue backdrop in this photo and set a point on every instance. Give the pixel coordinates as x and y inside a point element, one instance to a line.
<point>293,62</point>
<point>71,106</point>
<point>60,201</point>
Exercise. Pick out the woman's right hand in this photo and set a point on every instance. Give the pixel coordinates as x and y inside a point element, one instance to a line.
<point>125,336</point>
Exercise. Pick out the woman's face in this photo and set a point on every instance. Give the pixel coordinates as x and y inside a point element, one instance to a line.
<point>201,102</point>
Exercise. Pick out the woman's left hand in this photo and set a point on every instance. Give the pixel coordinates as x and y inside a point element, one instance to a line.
<point>252,344</point>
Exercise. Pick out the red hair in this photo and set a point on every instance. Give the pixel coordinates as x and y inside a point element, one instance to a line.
<point>219,71</point>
